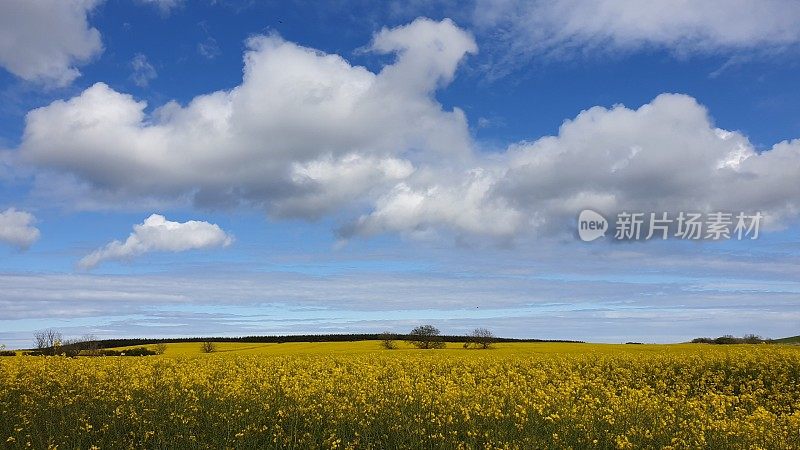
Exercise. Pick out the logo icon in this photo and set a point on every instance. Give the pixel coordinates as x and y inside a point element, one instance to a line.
<point>591,225</point>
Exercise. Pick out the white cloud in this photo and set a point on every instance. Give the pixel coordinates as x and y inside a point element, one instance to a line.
<point>16,228</point>
<point>564,27</point>
<point>143,71</point>
<point>157,233</point>
<point>44,40</point>
<point>164,6</point>
<point>325,182</point>
<point>664,156</point>
<point>467,206</point>
<point>307,134</point>
<point>302,127</point>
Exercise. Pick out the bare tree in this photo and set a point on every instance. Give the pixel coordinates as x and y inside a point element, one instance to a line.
<point>426,337</point>
<point>48,341</point>
<point>482,338</point>
<point>208,347</point>
<point>388,340</point>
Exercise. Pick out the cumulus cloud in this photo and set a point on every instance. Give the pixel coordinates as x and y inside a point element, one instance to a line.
<point>156,234</point>
<point>143,71</point>
<point>303,129</point>
<point>664,156</point>
<point>307,134</point>
<point>465,205</point>
<point>326,181</point>
<point>16,228</point>
<point>45,40</point>
<point>565,27</point>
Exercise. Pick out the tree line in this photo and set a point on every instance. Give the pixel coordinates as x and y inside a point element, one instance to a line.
<point>51,341</point>
<point>730,339</point>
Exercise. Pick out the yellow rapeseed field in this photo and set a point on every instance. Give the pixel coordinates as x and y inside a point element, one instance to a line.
<point>526,396</point>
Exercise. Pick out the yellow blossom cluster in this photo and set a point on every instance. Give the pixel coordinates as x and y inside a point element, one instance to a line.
<point>719,398</point>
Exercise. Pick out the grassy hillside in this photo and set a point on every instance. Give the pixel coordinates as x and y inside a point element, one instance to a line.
<point>788,340</point>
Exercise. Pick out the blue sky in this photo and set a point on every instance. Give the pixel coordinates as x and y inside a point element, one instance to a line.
<point>174,168</point>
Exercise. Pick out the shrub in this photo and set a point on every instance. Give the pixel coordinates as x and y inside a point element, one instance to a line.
<point>388,341</point>
<point>208,347</point>
<point>8,353</point>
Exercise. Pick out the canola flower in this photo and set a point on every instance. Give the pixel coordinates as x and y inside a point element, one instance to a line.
<point>718,398</point>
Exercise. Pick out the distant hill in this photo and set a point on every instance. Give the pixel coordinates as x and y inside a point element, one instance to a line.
<point>788,340</point>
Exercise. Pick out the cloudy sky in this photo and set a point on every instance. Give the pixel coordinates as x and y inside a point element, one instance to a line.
<point>175,168</point>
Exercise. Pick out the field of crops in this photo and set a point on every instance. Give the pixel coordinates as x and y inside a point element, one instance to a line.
<point>355,395</point>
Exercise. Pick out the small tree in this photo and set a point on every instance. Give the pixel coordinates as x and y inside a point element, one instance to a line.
<point>388,340</point>
<point>482,338</point>
<point>162,347</point>
<point>208,347</point>
<point>426,337</point>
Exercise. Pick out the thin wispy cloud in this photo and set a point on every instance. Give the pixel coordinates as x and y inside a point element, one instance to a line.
<point>523,30</point>
<point>165,7</point>
<point>143,71</point>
